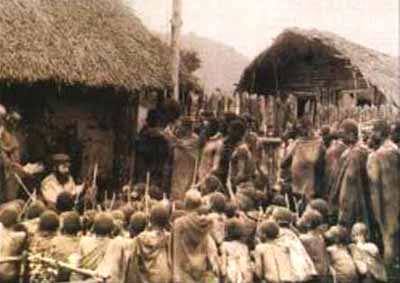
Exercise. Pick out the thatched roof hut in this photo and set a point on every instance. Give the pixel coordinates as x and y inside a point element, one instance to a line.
<point>303,60</point>
<point>96,43</point>
<point>75,70</point>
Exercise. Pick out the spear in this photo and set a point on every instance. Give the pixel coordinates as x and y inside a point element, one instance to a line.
<point>146,193</point>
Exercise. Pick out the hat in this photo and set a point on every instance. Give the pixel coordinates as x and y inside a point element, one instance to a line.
<point>60,158</point>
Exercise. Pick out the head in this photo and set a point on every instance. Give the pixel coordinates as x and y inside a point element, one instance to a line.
<point>65,202</point>
<point>325,133</point>
<point>49,221</point>
<point>311,219</point>
<point>71,223</point>
<point>336,235</point>
<point>230,209</point>
<point>153,119</point>
<point>269,229</point>
<point>218,202</point>
<point>234,229</point>
<point>212,184</point>
<point>185,127</point>
<point>137,223</point>
<point>9,216</point>
<point>62,164</point>
<point>322,207</point>
<point>283,216</point>
<point>349,132</point>
<point>359,233</point>
<point>13,120</point>
<point>159,216</point>
<point>35,209</point>
<point>380,132</point>
<point>103,224</point>
<point>236,130</point>
<point>192,200</point>
<point>305,128</point>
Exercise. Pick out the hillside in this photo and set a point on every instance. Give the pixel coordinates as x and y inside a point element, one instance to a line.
<point>221,66</point>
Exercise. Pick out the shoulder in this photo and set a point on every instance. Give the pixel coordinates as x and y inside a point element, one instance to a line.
<point>49,179</point>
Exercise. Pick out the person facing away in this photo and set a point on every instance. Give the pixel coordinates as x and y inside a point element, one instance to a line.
<point>192,250</point>
<point>149,259</point>
<point>236,265</point>
<point>366,256</point>
<point>11,244</point>
<point>384,181</point>
<point>342,264</point>
<point>314,243</point>
<point>272,259</point>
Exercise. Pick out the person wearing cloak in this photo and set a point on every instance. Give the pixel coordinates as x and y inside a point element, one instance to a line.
<point>302,264</point>
<point>236,265</point>
<point>66,244</point>
<point>302,169</point>
<point>351,193</point>
<point>218,218</point>
<point>11,244</point>
<point>342,264</point>
<point>314,244</point>
<point>366,256</point>
<point>149,260</point>
<point>384,180</point>
<point>273,263</point>
<point>193,254</point>
<point>40,244</point>
<point>332,166</point>
<point>93,248</point>
<point>59,181</point>
<point>185,144</point>
<point>211,150</point>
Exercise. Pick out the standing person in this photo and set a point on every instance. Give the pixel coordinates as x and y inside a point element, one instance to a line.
<point>366,256</point>
<point>211,152</point>
<point>384,180</point>
<point>302,169</point>
<point>59,181</point>
<point>185,144</point>
<point>236,265</point>
<point>149,260</point>
<point>351,195</point>
<point>192,250</point>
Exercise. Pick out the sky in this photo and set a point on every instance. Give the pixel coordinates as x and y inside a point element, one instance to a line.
<point>251,25</point>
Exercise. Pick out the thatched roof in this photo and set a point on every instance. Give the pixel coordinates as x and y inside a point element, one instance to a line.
<point>377,69</point>
<point>96,43</point>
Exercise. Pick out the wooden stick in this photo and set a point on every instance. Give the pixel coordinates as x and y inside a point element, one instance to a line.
<point>19,180</point>
<point>146,193</point>
<point>60,264</point>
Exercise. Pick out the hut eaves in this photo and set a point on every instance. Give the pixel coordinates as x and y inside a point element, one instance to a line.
<point>96,43</point>
<point>378,69</point>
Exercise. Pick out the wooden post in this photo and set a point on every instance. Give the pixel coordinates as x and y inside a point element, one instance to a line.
<point>176,25</point>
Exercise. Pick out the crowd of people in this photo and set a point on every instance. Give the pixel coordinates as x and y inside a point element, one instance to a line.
<point>331,213</point>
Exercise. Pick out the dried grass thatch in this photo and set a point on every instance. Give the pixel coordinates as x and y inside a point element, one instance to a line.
<point>377,69</point>
<point>96,43</point>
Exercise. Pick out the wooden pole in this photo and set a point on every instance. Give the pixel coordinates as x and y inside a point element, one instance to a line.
<point>176,25</point>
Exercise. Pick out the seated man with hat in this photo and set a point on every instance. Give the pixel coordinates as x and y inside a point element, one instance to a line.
<point>59,181</point>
